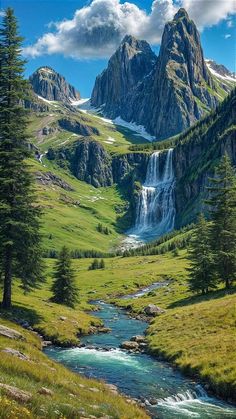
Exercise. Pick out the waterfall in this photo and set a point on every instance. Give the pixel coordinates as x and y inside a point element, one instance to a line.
<point>155,213</point>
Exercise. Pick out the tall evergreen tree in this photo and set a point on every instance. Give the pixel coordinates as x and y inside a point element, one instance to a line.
<point>20,253</point>
<point>201,271</point>
<point>222,204</point>
<point>64,288</point>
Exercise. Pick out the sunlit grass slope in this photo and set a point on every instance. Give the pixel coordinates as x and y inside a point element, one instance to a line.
<point>72,217</point>
<point>52,391</point>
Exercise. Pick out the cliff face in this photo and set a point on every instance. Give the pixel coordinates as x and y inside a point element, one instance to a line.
<point>77,127</point>
<point>50,85</point>
<point>90,162</point>
<point>170,93</point>
<point>196,155</point>
<point>132,61</point>
<point>181,83</point>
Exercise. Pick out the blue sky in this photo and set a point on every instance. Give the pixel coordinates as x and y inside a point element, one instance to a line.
<point>74,49</point>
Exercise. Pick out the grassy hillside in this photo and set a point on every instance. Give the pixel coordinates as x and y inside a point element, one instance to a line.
<point>72,217</point>
<point>41,388</point>
<point>195,333</point>
<point>115,139</point>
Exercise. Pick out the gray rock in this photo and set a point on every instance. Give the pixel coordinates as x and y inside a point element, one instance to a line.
<point>45,391</point>
<point>138,339</point>
<point>16,353</point>
<point>10,333</point>
<point>15,393</point>
<point>50,85</point>
<point>77,127</point>
<point>153,310</point>
<point>92,164</point>
<point>132,61</point>
<point>170,93</point>
<point>129,345</point>
<point>49,178</point>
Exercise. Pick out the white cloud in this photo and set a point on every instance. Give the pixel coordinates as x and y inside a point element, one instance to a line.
<point>2,13</point>
<point>227,35</point>
<point>97,29</point>
<point>209,12</point>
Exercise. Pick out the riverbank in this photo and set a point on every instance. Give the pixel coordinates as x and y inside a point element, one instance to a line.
<point>184,333</point>
<point>153,383</point>
<point>33,386</point>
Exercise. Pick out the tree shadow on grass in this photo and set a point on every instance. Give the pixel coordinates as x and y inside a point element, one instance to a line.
<point>20,314</point>
<point>195,299</point>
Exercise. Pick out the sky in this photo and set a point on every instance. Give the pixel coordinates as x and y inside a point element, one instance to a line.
<point>77,37</point>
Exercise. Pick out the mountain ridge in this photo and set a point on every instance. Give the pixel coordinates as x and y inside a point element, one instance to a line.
<point>52,86</point>
<point>176,92</point>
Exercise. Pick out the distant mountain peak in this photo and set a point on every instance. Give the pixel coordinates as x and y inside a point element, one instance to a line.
<point>219,70</point>
<point>50,85</point>
<point>180,14</point>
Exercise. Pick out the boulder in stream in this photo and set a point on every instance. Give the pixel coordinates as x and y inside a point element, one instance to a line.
<point>130,346</point>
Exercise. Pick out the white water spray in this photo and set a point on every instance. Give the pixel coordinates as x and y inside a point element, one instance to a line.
<point>155,213</point>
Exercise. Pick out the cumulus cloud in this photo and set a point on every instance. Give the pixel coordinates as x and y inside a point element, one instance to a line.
<point>97,29</point>
<point>209,12</point>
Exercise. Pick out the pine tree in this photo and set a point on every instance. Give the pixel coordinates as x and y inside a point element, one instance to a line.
<point>222,204</point>
<point>64,288</point>
<point>20,252</point>
<point>102,264</point>
<point>201,272</point>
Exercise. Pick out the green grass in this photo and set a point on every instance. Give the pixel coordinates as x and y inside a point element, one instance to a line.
<point>66,221</point>
<point>196,333</point>
<point>72,395</point>
<point>122,137</point>
<point>200,339</point>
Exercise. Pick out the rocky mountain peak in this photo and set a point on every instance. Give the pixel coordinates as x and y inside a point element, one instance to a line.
<point>180,14</point>
<point>167,94</point>
<point>132,61</point>
<point>50,85</point>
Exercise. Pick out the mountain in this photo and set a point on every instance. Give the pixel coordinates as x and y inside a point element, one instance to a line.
<point>50,85</point>
<point>132,61</point>
<point>196,154</point>
<point>176,89</point>
<point>220,71</point>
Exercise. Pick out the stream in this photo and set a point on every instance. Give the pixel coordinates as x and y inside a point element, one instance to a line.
<point>165,391</point>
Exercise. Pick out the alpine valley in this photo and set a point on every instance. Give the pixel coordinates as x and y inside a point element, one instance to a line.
<point>121,179</point>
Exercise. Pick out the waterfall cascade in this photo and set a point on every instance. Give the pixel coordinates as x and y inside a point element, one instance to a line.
<point>155,214</point>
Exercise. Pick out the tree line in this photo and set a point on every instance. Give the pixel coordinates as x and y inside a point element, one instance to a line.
<point>212,251</point>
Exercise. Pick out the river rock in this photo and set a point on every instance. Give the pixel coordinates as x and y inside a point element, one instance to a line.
<point>153,401</point>
<point>153,310</point>
<point>138,339</point>
<point>104,330</point>
<point>129,345</point>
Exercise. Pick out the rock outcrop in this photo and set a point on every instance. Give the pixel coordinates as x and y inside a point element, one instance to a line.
<point>171,93</point>
<point>77,127</point>
<point>50,85</point>
<point>10,333</point>
<point>132,61</point>
<point>49,178</point>
<point>91,163</point>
